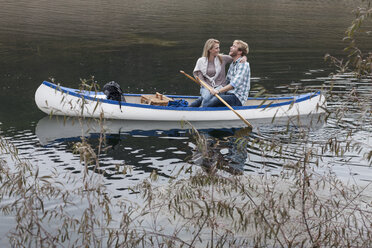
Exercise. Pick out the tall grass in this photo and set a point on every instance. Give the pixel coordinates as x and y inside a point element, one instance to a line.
<point>214,205</point>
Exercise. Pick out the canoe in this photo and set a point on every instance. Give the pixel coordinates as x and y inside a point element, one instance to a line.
<point>54,99</point>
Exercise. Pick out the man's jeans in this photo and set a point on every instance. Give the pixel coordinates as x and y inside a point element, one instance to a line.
<point>231,99</point>
<point>204,98</point>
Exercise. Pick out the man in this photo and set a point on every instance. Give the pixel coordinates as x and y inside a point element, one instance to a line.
<point>238,79</point>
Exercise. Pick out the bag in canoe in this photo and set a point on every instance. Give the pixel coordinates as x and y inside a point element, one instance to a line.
<point>114,92</point>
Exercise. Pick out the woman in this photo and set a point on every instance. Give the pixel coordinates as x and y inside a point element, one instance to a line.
<point>211,69</point>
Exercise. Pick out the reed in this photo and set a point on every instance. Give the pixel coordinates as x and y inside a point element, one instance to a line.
<point>358,61</point>
<point>213,204</point>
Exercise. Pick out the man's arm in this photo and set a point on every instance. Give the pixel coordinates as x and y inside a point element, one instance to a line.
<point>242,71</point>
<point>222,90</point>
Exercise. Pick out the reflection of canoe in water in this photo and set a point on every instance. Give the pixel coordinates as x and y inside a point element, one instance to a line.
<point>58,100</point>
<point>54,129</point>
<point>50,129</point>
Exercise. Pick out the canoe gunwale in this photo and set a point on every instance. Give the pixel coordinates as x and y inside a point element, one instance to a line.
<point>87,96</point>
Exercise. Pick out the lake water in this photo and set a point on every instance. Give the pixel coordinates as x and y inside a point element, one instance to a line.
<point>142,45</point>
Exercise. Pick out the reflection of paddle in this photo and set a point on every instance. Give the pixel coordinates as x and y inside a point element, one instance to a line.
<point>199,81</point>
<point>243,132</point>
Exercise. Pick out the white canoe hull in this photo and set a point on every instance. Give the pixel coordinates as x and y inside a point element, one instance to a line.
<point>57,100</point>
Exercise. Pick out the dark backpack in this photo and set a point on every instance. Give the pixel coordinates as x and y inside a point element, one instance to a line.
<point>113,91</point>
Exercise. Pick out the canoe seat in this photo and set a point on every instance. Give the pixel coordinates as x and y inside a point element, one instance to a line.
<point>157,99</point>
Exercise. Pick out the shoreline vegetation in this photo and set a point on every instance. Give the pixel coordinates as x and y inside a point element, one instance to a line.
<point>306,205</point>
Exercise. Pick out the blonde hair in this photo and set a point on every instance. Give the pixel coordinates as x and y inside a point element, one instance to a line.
<point>242,46</point>
<point>208,46</point>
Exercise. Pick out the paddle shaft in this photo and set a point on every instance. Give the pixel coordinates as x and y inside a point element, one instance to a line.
<point>199,81</point>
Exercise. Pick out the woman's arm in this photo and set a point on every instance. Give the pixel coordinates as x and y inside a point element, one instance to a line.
<point>199,74</point>
<point>229,59</point>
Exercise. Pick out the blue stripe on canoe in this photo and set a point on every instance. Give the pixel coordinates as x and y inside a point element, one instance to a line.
<point>87,95</point>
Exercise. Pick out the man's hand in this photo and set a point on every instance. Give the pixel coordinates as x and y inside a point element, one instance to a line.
<point>214,92</point>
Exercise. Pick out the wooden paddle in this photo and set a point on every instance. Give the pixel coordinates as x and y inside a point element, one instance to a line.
<point>199,81</point>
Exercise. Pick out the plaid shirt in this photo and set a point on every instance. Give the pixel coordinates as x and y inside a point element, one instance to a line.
<point>239,76</point>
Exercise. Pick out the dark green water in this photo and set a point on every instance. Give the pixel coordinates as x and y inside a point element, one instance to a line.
<point>142,45</point>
